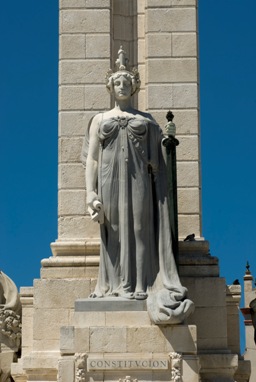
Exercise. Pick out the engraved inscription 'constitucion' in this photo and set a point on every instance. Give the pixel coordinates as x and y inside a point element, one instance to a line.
<point>107,364</point>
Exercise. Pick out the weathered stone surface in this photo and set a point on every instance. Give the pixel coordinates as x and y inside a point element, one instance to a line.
<point>210,317</point>
<point>67,343</point>
<point>71,176</point>
<point>66,369</point>
<point>188,174</point>
<point>87,319</point>
<point>83,71</point>
<point>188,149</point>
<point>58,293</point>
<point>103,46</point>
<point>184,44</point>
<point>82,340</point>
<point>84,21</point>
<point>181,339</point>
<point>172,96</point>
<point>159,45</point>
<point>70,149</point>
<point>107,339</point>
<point>98,3</point>
<point>72,202</point>
<point>61,272</point>
<point>74,123</point>
<point>171,20</point>
<point>27,329</point>
<point>170,3</point>
<point>144,338</point>
<point>96,98</point>
<point>200,291</point>
<point>71,98</point>
<point>51,319</point>
<point>72,4</point>
<point>166,70</point>
<point>189,224</point>
<point>141,26</point>
<point>221,366</point>
<point>77,227</point>
<point>189,200</point>
<point>72,46</point>
<point>129,319</point>
<point>123,27</point>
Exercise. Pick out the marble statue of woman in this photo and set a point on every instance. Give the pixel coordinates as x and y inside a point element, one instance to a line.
<point>127,193</point>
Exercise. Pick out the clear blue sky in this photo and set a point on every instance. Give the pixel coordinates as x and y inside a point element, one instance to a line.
<point>28,145</point>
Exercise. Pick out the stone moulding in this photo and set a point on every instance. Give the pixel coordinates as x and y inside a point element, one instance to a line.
<point>72,247</point>
<point>73,254</point>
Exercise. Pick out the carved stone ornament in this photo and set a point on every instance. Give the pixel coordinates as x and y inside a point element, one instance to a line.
<point>80,366</point>
<point>128,379</point>
<point>10,326</point>
<point>10,313</point>
<point>176,367</point>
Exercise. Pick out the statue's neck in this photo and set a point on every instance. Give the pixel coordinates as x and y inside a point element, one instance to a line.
<point>123,105</point>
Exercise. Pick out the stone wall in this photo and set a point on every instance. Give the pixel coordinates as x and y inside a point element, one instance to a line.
<point>161,39</point>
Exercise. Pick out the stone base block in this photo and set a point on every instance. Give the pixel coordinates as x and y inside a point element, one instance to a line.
<point>41,366</point>
<point>218,367</point>
<point>128,367</point>
<point>114,340</point>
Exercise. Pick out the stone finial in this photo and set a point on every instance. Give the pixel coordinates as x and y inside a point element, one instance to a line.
<point>170,127</point>
<point>248,272</point>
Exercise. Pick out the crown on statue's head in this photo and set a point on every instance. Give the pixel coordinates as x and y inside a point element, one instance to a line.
<point>122,60</point>
<point>122,69</point>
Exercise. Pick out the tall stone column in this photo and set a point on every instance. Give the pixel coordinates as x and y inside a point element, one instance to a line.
<point>171,82</point>
<point>85,39</point>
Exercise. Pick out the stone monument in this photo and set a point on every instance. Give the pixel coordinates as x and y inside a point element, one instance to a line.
<point>67,337</point>
<point>10,326</point>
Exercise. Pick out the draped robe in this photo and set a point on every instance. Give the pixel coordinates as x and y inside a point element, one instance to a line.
<point>135,236</point>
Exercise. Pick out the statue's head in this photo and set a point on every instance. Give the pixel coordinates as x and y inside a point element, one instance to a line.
<point>132,76</point>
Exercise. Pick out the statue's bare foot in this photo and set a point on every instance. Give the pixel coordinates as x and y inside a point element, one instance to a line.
<point>128,295</point>
<point>114,294</point>
<point>140,295</point>
<point>95,295</point>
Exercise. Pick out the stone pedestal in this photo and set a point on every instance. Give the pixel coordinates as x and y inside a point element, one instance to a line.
<point>115,340</point>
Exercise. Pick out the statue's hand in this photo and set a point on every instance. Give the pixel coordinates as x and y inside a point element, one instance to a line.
<point>95,207</point>
<point>169,141</point>
<point>91,198</point>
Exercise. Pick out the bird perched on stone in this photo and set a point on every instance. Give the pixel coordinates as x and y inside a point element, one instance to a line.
<point>236,282</point>
<point>190,237</point>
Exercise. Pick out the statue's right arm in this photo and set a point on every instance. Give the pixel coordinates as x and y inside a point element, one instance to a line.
<point>91,172</point>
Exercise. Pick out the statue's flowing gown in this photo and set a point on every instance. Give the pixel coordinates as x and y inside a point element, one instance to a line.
<point>135,237</point>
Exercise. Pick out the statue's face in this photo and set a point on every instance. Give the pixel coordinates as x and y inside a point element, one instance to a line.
<point>122,87</point>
